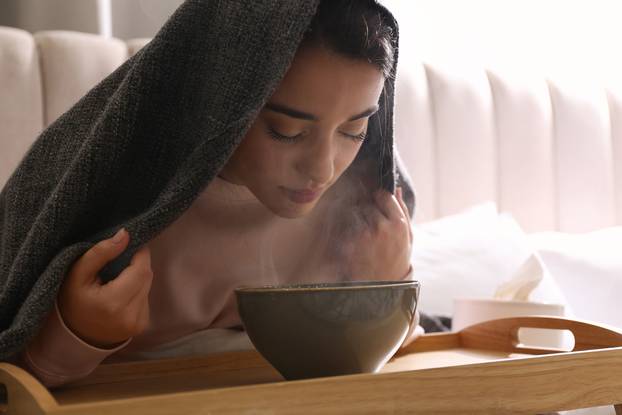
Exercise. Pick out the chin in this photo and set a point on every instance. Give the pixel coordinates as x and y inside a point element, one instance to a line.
<point>293,213</point>
<point>290,210</point>
<point>285,208</point>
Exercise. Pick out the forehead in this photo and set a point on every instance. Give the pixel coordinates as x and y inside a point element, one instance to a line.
<point>328,84</point>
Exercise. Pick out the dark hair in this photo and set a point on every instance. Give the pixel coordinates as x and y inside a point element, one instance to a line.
<point>354,28</point>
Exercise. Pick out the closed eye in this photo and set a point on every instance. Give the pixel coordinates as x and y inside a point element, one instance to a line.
<point>357,137</point>
<point>290,138</point>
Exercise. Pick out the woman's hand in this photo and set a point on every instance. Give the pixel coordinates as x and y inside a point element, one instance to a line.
<point>381,249</point>
<point>107,315</point>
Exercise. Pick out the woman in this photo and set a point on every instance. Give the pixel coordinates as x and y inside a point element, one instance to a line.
<point>290,181</point>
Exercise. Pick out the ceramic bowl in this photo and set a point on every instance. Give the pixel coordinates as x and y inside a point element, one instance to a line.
<point>315,330</point>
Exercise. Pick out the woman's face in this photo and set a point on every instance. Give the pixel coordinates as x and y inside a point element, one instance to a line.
<point>309,131</point>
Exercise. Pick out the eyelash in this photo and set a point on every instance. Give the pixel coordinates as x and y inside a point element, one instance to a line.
<point>280,137</point>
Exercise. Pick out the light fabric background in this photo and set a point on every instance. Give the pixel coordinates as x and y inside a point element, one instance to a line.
<point>123,19</point>
<point>486,113</point>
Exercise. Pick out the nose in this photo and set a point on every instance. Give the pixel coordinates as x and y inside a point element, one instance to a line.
<point>316,163</point>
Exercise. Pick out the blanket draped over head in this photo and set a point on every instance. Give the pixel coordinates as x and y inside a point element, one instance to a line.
<point>140,146</point>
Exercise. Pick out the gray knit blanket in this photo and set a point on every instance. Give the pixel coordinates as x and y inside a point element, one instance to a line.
<point>140,146</point>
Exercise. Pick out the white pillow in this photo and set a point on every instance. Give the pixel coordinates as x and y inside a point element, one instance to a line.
<point>588,269</point>
<point>470,255</point>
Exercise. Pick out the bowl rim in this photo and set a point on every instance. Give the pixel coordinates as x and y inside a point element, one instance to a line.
<point>327,286</point>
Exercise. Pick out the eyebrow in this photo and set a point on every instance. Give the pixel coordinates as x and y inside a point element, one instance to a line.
<point>294,113</point>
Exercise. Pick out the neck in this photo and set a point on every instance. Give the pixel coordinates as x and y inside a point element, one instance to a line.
<point>224,176</point>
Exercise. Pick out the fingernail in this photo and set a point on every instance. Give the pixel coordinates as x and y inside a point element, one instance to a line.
<point>399,192</point>
<point>118,237</point>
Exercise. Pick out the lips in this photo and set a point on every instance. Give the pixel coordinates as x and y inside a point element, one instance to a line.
<point>301,196</point>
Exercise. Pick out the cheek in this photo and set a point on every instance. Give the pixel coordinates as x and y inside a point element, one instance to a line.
<point>264,156</point>
<point>345,156</point>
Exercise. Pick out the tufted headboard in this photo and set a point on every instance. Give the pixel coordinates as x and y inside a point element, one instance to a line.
<point>549,153</point>
<point>42,76</point>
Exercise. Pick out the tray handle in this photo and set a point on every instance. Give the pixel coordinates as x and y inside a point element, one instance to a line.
<point>21,393</point>
<point>502,334</point>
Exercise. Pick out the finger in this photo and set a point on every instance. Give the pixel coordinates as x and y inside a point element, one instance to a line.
<point>133,318</point>
<point>388,205</point>
<point>132,279</point>
<point>142,318</point>
<point>88,265</point>
<point>371,217</point>
<point>142,258</point>
<point>138,301</point>
<point>400,199</point>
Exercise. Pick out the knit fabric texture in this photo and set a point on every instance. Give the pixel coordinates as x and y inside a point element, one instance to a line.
<point>141,145</point>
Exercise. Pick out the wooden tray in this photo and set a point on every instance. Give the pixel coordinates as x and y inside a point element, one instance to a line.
<point>481,369</point>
